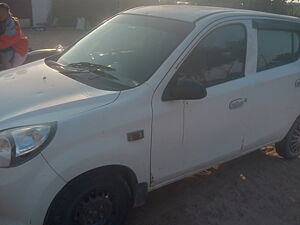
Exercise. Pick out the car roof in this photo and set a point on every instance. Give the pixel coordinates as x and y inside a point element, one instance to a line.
<point>192,13</point>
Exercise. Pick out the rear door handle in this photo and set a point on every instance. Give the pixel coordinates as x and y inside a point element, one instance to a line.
<point>237,103</point>
<point>297,83</point>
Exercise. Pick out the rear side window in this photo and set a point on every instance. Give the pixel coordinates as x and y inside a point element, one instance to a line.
<point>276,48</point>
<point>218,58</point>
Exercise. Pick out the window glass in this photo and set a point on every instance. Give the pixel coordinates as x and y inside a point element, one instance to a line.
<point>132,46</point>
<point>276,48</point>
<point>218,58</point>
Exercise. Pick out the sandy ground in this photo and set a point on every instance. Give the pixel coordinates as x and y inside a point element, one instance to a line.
<point>257,189</point>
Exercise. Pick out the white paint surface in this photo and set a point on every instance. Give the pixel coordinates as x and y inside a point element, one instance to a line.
<point>180,137</point>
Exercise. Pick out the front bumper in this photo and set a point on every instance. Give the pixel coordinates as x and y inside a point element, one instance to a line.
<point>27,191</point>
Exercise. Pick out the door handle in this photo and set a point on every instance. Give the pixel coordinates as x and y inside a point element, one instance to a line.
<point>297,83</point>
<point>237,103</point>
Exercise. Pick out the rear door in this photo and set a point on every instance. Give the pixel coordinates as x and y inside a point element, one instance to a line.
<point>274,86</point>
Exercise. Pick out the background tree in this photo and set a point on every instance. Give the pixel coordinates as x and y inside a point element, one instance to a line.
<point>274,6</point>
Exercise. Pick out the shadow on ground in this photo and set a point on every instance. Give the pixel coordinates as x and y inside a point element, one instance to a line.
<point>257,189</point>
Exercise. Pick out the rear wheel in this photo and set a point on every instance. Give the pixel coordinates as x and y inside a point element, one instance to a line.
<point>289,147</point>
<point>92,200</point>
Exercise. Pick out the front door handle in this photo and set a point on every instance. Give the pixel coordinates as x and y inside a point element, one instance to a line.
<point>297,83</point>
<point>237,103</point>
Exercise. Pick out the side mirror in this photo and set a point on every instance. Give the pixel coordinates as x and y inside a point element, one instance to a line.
<point>184,90</point>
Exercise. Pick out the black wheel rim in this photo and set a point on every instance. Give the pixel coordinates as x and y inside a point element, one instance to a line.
<point>294,143</point>
<point>95,208</point>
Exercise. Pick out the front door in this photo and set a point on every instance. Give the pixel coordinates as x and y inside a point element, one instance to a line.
<point>194,133</point>
<point>213,126</point>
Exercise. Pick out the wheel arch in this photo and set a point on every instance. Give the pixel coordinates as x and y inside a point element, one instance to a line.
<point>289,128</point>
<point>112,170</point>
<point>285,148</point>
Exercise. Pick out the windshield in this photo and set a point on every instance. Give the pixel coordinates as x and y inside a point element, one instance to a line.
<point>132,46</point>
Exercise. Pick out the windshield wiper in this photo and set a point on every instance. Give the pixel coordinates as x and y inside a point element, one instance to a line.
<point>97,69</point>
<point>82,67</point>
<point>87,65</point>
<point>60,67</point>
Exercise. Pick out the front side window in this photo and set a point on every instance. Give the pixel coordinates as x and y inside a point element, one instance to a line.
<point>276,48</point>
<point>218,58</point>
<point>124,52</point>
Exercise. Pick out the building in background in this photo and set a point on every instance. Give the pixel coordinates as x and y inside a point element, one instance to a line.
<point>66,12</point>
<point>31,12</point>
<point>38,13</point>
<point>41,12</point>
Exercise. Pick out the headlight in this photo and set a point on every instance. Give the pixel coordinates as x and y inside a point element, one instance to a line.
<point>21,144</point>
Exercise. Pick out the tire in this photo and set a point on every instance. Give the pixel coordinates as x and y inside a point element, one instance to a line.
<point>289,147</point>
<point>92,199</point>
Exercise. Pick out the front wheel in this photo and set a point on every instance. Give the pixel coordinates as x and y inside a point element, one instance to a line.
<point>92,200</point>
<point>289,147</point>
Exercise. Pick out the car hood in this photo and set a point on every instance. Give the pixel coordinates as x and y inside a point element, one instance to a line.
<point>35,90</point>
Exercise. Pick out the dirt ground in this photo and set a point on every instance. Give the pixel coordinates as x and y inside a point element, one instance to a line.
<point>257,189</point>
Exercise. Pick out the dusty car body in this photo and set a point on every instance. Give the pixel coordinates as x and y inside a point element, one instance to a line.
<point>164,92</point>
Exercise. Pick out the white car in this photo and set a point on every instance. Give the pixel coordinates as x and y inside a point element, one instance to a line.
<point>153,95</point>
